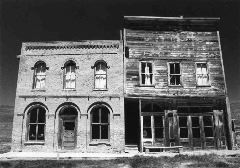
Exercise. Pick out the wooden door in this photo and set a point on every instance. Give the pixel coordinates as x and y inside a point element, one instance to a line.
<point>68,134</point>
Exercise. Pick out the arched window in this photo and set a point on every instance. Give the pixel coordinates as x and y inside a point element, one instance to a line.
<point>100,75</point>
<point>39,75</point>
<point>100,123</point>
<point>70,75</point>
<point>36,124</point>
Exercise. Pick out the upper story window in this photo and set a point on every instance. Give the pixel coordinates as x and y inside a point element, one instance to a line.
<point>202,74</point>
<point>100,75</point>
<point>146,76</point>
<point>70,75</point>
<point>174,74</point>
<point>39,75</point>
<point>36,124</point>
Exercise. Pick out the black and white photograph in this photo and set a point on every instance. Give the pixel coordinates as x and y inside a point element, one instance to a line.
<point>119,83</point>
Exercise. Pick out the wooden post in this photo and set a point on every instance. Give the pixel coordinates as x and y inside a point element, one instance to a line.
<point>141,127</point>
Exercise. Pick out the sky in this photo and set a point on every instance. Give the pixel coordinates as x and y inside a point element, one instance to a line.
<point>72,20</point>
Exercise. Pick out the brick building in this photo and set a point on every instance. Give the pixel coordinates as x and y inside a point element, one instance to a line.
<point>69,97</point>
<point>162,84</point>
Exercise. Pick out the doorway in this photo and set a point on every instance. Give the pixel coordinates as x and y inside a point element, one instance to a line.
<point>132,123</point>
<point>67,128</point>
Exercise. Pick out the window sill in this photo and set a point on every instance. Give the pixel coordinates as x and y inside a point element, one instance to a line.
<point>203,85</point>
<point>175,85</point>
<point>99,142</point>
<point>100,89</point>
<point>34,143</point>
<point>69,89</point>
<point>38,90</point>
<point>141,85</point>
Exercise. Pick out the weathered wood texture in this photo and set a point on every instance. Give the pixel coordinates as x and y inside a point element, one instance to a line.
<point>162,47</point>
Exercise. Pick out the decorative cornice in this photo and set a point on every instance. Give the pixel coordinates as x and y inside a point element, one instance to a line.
<point>62,47</point>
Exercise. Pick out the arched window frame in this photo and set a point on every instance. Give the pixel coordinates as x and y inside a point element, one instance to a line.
<point>39,85</point>
<point>72,84</point>
<point>100,123</point>
<point>101,62</point>
<point>30,125</point>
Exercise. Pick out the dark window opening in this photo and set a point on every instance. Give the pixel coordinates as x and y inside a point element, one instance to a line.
<point>36,124</point>
<point>100,123</point>
<point>208,126</point>
<point>183,126</point>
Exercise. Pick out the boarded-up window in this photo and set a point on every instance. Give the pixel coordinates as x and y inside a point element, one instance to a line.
<point>174,74</point>
<point>100,123</point>
<point>36,124</point>
<point>202,74</point>
<point>39,75</point>
<point>100,75</point>
<point>146,73</point>
<point>69,75</point>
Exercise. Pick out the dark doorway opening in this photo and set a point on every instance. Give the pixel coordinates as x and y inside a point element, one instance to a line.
<point>132,122</point>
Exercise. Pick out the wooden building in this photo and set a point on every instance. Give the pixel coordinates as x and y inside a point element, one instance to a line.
<point>175,90</point>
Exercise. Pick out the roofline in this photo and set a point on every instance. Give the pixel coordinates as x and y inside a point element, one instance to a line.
<point>171,18</point>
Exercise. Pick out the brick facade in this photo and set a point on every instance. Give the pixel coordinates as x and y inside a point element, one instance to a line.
<point>53,97</point>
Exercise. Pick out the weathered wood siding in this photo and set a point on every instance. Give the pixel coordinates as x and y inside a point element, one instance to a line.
<point>162,47</point>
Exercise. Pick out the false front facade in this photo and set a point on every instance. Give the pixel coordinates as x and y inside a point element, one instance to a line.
<point>174,83</point>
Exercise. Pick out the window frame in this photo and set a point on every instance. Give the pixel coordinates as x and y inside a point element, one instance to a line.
<point>94,75</point>
<point>35,75</point>
<point>140,74</point>
<point>100,123</point>
<point>196,75</point>
<point>64,74</point>
<point>37,123</point>
<point>180,74</point>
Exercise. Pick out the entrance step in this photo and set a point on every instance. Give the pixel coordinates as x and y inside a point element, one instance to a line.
<point>131,148</point>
